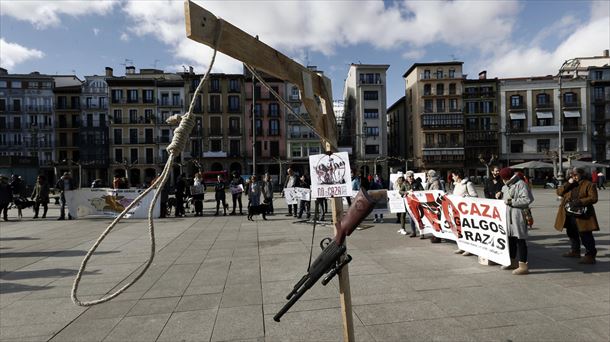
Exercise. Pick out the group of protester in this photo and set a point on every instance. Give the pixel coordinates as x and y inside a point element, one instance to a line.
<point>256,191</point>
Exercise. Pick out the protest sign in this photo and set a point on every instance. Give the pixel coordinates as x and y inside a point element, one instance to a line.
<point>425,208</point>
<point>395,202</point>
<point>109,202</point>
<point>330,175</point>
<point>237,189</point>
<point>290,195</point>
<point>303,194</point>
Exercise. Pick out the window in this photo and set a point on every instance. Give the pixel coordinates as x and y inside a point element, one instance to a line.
<point>148,136</point>
<point>452,89</point>
<point>2,84</point>
<point>274,127</point>
<point>427,89</point>
<point>371,113</point>
<point>598,93</point>
<point>118,136</point>
<point>149,156</point>
<point>164,99</point>
<point>453,105</point>
<point>233,103</point>
<point>215,125</point>
<point>148,96</point>
<point>118,155</point>
<point>516,101</point>
<point>133,155</point>
<point>258,109</point>
<point>543,145</point>
<point>132,95</point>
<point>133,116</point>
<point>215,145</point>
<point>597,76</point>
<point>426,74</point>
<point>118,116</point>
<point>259,127</point>
<point>165,135</point>
<point>294,93</point>
<point>569,99</point>
<point>234,148</point>
<point>133,135</point>
<point>440,89</point>
<point>274,110</point>
<point>487,107</point>
<point>516,146</point>
<point>372,131</point>
<point>214,104</point>
<point>428,106</point>
<point>439,73</point>
<point>442,140</point>
<point>117,95</point>
<point>176,99</point>
<point>440,105</point>
<point>371,95</point>
<point>233,85</point>
<point>544,122</point>
<point>451,73</point>
<point>2,105</point>
<point>542,100</point>
<point>570,144</point>
<point>234,126</point>
<point>454,140</point>
<point>471,107</point>
<point>16,84</point>
<point>371,149</point>
<point>215,85</point>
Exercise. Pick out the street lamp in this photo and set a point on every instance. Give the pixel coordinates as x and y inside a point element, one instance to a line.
<point>363,140</point>
<point>574,64</point>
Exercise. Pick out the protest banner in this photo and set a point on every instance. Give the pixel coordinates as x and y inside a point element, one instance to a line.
<point>478,225</point>
<point>236,189</point>
<point>330,175</point>
<point>422,177</point>
<point>303,194</point>
<point>395,202</point>
<point>109,202</point>
<point>290,196</point>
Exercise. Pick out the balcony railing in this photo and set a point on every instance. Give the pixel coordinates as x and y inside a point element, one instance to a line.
<point>95,106</point>
<point>445,145</point>
<point>169,103</point>
<point>517,107</point>
<point>235,131</point>
<point>11,127</point>
<point>273,132</point>
<point>68,125</point>
<point>214,109</point>
<point>435,76</point>
<point>573,128</point>
<point>215,131</point>
<point>38,109</point>
<point>571,105</point>
<point>63,106</point>
<point>236,109</point>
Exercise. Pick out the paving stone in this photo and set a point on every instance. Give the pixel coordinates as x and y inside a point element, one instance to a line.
<point>397,312</point>
<point>154,306</point>
<point>138,328</point>
<point>241,322</point>
<point>87,330</point>
<point>189,326</point>
<point>199,302</point>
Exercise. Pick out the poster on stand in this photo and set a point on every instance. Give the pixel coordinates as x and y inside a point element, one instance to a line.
<point>330,175</point>
<point>396,203</point>
<point>109,202</point>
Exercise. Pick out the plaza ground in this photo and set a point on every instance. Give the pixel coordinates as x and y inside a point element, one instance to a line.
<point>222,278</point>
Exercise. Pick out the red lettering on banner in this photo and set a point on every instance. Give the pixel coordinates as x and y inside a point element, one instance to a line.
<point>480,209</point>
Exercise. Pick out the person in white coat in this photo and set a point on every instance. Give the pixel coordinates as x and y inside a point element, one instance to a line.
<point>462,187</point>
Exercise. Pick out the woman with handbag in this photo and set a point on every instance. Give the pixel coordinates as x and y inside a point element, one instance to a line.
<point>577,215</point>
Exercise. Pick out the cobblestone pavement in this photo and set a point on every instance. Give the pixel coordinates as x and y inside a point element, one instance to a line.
<point>222,278</point>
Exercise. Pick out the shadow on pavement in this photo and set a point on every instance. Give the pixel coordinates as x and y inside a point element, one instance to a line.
<point>14,287</point>
<point>48,254</point>
<point>49,273</point>
<point>18,238</point>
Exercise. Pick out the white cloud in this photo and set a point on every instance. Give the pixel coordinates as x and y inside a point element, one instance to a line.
<point>44,14</point>
<point>12,54</point>
<point>323,26</point>
<point>96,31</point>
<point>124,37</point>
<point>587,39</point>
<point>414,54</point>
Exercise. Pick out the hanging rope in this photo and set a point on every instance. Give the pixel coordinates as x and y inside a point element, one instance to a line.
<point>181,135</point>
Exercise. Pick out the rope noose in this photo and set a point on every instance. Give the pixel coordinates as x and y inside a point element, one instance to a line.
<point>181,135</point>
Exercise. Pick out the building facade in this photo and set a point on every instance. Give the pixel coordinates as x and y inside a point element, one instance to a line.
<point>434,106</point>
<point>480,124</point>
<point>365,119</point>
<point>398,132</point>
<point>599,95</point>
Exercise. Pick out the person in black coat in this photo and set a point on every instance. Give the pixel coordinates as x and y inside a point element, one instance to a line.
<point>65,183</point>
<point>40,195</point>
<point>180,195</point>
<point>220,195</point>
<point>6,196</point>
<point>494,184</point>
<point>236,191</point>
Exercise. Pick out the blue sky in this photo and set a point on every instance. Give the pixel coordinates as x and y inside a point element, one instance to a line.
<point>506,38</point>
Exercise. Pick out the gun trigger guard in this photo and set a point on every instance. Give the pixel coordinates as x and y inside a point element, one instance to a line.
<point>325,242</point>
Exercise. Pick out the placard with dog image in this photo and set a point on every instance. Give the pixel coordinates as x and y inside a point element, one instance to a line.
<point>330,175</point>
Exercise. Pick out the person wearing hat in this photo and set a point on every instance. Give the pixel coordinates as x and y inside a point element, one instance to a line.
<point>517,196</point>
<point>65,183</point>
<point>6,196</point>
<point>409,185</point>
<point>578,194</point>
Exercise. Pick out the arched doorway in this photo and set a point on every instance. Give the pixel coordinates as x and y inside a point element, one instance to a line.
<point>134,177</point>
<point>216,167</point>
<point>235,167</point>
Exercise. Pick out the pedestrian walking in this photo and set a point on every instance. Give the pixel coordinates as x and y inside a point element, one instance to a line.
<point>6,196</point>
<point>577,215</point>
<point>267,192</point>
<point>291,182</point>
<point>377,184</point>
<point>517,196</point>
<point>237,189</point>
<point>40,196</point>
<point>198,192</point>
<point>180,195</point>
<point>433,183</point>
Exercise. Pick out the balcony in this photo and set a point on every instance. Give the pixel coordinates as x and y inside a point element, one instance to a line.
<point>571,105</point>
<point>95,106</point>
<point>235,131</point>
<point>63,106</point>
<point>66,125</point>
<point>38,109</point>
<point>574,128</point>
<point>480,94</point>
<point>436,76</point>
<point>544,106</point>
<point>11,108</point>
<point>259,132</point>
<point>273,132</point>
<point>442,121</point>
<point>38,126</point>
<point>11,127</point>
<point>11,146</point>
<point>444,145</point>
<point>215,154</point>
<point>214,109</point>
<point>169,103</point>
<point>481,138</point>
<point>215,132</point>
<point>236,109</point>
<point>33,144</point>
<point>517,108</point>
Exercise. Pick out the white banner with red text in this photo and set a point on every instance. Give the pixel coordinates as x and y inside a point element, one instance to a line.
<point>109,202</point>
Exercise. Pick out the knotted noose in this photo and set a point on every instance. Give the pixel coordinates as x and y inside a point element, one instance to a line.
<point>181,135</point>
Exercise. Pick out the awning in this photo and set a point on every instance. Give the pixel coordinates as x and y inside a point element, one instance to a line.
<point>544,115</point>
<point>571,113</point>
<point>517,116</point>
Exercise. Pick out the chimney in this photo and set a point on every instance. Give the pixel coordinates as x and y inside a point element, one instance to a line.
<point>130,70</point>
<point>191,69</point>
<point>109,72</point>
<point>606,53</point>
<point>483,75</point>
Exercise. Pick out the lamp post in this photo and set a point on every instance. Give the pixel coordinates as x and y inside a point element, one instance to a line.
<point>363,141</point>
<point>253,126</point>
<point>574,63</point>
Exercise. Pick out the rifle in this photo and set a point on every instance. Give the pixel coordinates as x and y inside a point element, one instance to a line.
<point>331,260</point>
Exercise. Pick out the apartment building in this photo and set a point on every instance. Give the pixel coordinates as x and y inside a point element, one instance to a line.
<point>480,124</point>
<point>530,111</point>
<point>301,140</point>
<point>398,132</point>
<point>139,105</point>
<point>267,130</point>
<point>94,146</point>
<point>434,106</point>
<point>599,86</point>
<point>216,142</point>
<point>67,94</point>
<point>26,121</point>
<point>365,120</point>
